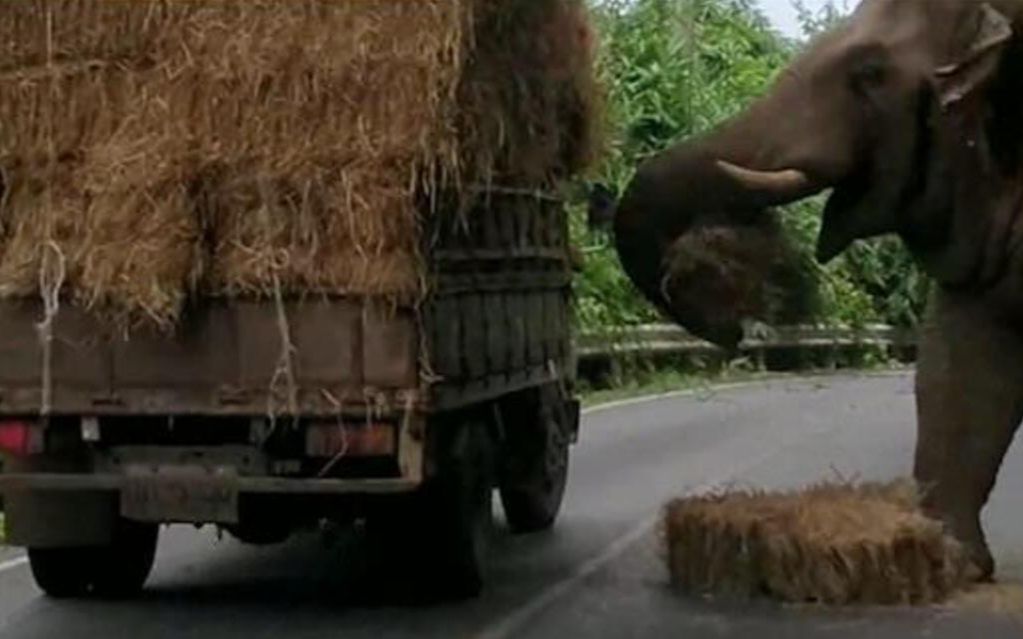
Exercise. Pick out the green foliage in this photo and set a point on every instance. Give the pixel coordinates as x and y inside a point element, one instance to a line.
<point>605,298</point>
<point>872,282</point>
<point>813,23</point>
<point>676,68</point>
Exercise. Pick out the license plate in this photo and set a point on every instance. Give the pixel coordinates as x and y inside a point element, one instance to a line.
<point>181,495</point>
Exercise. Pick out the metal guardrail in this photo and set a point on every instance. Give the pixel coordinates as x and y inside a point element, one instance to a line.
<point>669,339</point>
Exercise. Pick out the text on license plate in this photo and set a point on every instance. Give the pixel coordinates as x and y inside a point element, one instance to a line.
<point>181,495</point>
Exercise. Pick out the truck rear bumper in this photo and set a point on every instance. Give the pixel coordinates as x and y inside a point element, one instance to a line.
<point>76,509</point>
<point>69,482</point>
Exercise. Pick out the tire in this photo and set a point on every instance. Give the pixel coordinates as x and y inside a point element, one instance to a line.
<point>461,502</point>
<point>433,544</point>
<point>116,570</point>
<point>61,572</point>
<point>534,461</point>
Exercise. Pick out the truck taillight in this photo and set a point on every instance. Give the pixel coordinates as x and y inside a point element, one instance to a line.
<point>357,439</point>
<point>20,438</point>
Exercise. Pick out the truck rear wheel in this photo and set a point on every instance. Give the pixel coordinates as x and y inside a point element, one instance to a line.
<point>434,544</point>
<point>456,517</point>
<point>534,459</point>
<point>117,569</point>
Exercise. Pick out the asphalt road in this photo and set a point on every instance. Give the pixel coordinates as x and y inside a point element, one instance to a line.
<point>599,573</point>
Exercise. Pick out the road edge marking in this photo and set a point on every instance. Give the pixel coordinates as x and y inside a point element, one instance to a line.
<point>11,564</point>
<point>514,621</point>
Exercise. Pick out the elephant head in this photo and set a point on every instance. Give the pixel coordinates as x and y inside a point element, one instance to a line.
<point>908,113</point>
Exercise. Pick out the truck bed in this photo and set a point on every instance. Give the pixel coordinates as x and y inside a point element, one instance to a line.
<point>227,358</point>
<point>496,320</point>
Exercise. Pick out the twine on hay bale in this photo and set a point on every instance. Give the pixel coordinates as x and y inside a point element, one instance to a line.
<point>219,148</point>
<point>831,544</point>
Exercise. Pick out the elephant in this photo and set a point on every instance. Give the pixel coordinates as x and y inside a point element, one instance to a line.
<point>907,115</point>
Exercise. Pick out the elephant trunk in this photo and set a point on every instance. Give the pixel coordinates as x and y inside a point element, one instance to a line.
<point>695,234</point>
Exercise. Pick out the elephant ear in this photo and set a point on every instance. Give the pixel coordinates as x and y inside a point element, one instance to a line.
<point>959,227</point>
<point>986,41</point>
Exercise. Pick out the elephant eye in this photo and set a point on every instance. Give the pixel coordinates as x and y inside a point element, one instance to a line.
<point>869,76</point>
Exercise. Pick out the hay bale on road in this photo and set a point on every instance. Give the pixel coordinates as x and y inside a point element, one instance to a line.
<point>212,147</point>
<point>830,544</point>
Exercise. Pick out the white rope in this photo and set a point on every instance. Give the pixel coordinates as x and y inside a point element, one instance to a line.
<point>285,365</point>
<point>52,273</point>
<point>338,408</point>
<point>52,264</point>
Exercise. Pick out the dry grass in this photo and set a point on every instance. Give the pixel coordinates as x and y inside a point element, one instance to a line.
<point>721,271</point>
<point>1001,598</point>
<point>173,148</point>
<point>728,273</point>
<point>830,544</point>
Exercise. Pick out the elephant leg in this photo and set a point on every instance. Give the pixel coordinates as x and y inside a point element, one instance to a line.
<point>969,390</point>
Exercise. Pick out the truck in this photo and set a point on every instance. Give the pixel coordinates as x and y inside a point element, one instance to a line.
<point>264,417</point>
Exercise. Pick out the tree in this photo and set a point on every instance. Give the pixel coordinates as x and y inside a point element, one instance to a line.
<point>673,69</point>
<point>813,23</point>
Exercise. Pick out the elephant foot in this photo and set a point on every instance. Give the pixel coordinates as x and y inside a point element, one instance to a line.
<point>980,563</point>
<point>981,566</point>
<point>966,529</point>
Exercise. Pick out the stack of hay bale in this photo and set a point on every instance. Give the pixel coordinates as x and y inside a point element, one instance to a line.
<point>154,151</point>
<point>831,544</point>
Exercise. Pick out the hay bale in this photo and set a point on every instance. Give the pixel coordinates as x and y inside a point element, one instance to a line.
<point>215,147</point>
<point>550,47</point>
<point>831,544</point>
<point>728,272</point>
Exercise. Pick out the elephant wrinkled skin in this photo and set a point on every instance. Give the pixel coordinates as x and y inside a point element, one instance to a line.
<point>909,113</point>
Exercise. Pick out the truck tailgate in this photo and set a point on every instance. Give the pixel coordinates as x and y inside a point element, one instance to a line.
<point>225,358</point>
